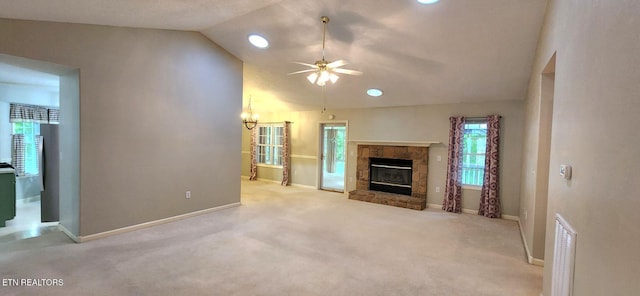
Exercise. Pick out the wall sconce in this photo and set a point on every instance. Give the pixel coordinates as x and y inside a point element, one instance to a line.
<point>249,119</point>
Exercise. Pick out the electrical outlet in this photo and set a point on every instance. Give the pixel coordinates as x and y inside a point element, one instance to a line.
<point>439,158</point>
<point>350,179</point>
<point>437,189</point>
<point>188,194</point>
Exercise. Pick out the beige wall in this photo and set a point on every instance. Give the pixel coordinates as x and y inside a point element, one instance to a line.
<point>535,165</point>
<point>157,116</point>
<point>417,123</point>
<point>595,120</point>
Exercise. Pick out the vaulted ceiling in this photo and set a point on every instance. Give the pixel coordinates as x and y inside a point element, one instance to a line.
<point>451,51</point>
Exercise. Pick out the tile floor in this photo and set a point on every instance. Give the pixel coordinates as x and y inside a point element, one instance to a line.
<point>27,223</point>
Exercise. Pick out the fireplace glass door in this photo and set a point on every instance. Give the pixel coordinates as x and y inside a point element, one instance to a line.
<point>390,175</point>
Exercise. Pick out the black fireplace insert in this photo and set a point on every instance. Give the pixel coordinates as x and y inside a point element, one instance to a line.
<point>390,175</point>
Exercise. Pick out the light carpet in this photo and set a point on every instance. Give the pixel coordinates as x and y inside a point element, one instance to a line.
<point>286,241</point>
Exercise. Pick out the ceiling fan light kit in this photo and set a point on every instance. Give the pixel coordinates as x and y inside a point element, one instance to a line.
<point>323,71</point>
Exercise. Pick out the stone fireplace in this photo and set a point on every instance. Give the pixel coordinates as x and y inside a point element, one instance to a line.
<point>392,175</point>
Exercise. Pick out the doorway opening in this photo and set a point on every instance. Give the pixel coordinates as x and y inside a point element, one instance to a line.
<point>333,153</point>
<point>547,91</point>
<point>35,210</point>
<point>37,206</point>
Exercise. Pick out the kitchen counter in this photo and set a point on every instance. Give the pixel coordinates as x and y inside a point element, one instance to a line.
<point>7,171</point>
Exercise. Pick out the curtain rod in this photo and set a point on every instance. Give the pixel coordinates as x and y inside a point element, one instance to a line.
<point>273,122</point>
<point>478,117</point>
<point>39,106</point>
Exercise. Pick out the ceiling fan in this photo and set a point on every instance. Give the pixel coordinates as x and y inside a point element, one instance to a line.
<point>323,71</point>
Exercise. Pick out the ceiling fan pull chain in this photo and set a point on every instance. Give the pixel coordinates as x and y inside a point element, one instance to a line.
<point>324,99</point>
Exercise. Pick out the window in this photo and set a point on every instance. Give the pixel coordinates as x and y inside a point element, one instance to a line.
<point>474,146</point>
<point>269,144</point>
<point>30,130</point>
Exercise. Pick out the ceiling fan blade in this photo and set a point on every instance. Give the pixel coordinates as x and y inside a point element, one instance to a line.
<point>303,71</point>
<point>336,64</point>
<point>347,71</point>
<point>308,65</point>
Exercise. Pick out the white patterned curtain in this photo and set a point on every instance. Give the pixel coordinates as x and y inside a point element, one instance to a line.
<point>17,154</point>
<point>489,199</point>
<point>37,114</point>
<point>285,154</point>
<point>253,175</point>
<point>54,116</point>
<point>453,189</point>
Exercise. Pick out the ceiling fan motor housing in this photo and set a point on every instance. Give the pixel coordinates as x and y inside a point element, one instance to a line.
<point>322,64</point>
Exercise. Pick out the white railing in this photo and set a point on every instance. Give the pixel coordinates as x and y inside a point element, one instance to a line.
<point>472,176</point>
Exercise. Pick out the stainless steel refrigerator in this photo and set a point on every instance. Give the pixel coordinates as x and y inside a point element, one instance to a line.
<point>49,196</point>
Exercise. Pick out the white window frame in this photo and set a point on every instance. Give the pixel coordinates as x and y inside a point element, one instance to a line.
<point>30,142</point>
<point>465,170</point>
<point>271,142</point>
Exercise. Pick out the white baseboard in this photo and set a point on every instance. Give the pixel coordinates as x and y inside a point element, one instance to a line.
<point>511,218</point>
<point>86,238</point>
<point>530,259</point>
<point>434,206</point>
<point>537,262</point>
<point>468,211</point>
<point>68,233</point>
<point>524,242</point>
<point>475,212</point>
<point>279,182</point>
<point>303,186</point>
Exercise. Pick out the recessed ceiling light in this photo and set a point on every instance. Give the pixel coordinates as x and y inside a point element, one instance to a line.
<point>427,1</point>
<point>258,41</point>
<point>374,92</point>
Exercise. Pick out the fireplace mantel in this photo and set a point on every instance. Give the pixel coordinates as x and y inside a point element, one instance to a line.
<point>395,143</point>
